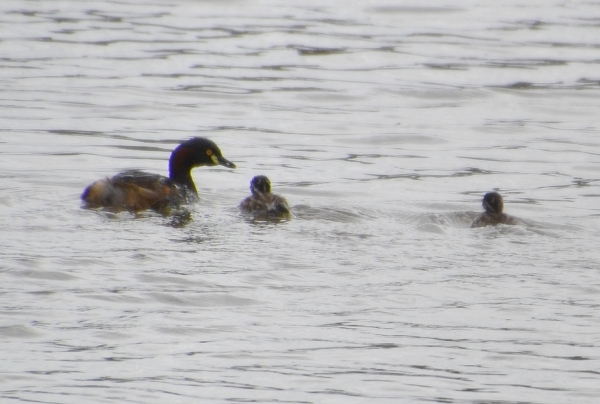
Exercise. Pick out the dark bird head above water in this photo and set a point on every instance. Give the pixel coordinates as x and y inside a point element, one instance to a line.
<point>195,152</point>
<point>260,185</point>
<point>493,202</point>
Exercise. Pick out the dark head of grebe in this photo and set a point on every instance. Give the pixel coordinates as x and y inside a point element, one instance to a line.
<point>195,152</point>
<point>260,185</point>
<point>493,202</point>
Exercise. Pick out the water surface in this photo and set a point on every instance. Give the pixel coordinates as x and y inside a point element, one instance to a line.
<point>382,123</point>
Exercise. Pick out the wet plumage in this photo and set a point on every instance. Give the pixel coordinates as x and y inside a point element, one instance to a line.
<point>135,190</point>
<point>263,202</point>
<point>493,215</point>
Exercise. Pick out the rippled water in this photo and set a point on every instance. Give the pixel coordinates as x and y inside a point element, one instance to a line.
<point>383,123</point>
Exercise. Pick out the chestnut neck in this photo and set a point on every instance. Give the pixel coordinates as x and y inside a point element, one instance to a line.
<point>180,167</point>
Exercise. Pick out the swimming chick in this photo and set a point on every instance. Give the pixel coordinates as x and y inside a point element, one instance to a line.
<point>262,201</point>
<point>493,205</point>
<point>135,190</point>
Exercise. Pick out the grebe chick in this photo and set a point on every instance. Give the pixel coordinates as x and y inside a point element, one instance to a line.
<point>262,201</point>
<point>493,205</point>
<point>135,190</point>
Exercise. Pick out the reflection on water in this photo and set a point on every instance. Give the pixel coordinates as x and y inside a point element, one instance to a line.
<point>383,125</point>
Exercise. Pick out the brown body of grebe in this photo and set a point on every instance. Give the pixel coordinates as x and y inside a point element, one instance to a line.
<point>135,190</point>
<point>493,215</point>
<point>262,201</point>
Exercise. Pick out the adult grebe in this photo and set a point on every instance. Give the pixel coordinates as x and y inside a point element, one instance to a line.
<point>135,190</point>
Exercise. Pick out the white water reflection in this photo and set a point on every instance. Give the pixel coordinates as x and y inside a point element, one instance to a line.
<point>382,124</point>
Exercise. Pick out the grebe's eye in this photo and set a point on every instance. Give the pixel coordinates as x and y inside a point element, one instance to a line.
<point>209,152</point>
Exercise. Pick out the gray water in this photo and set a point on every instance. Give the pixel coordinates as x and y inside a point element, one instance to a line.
<point>383,123</point>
